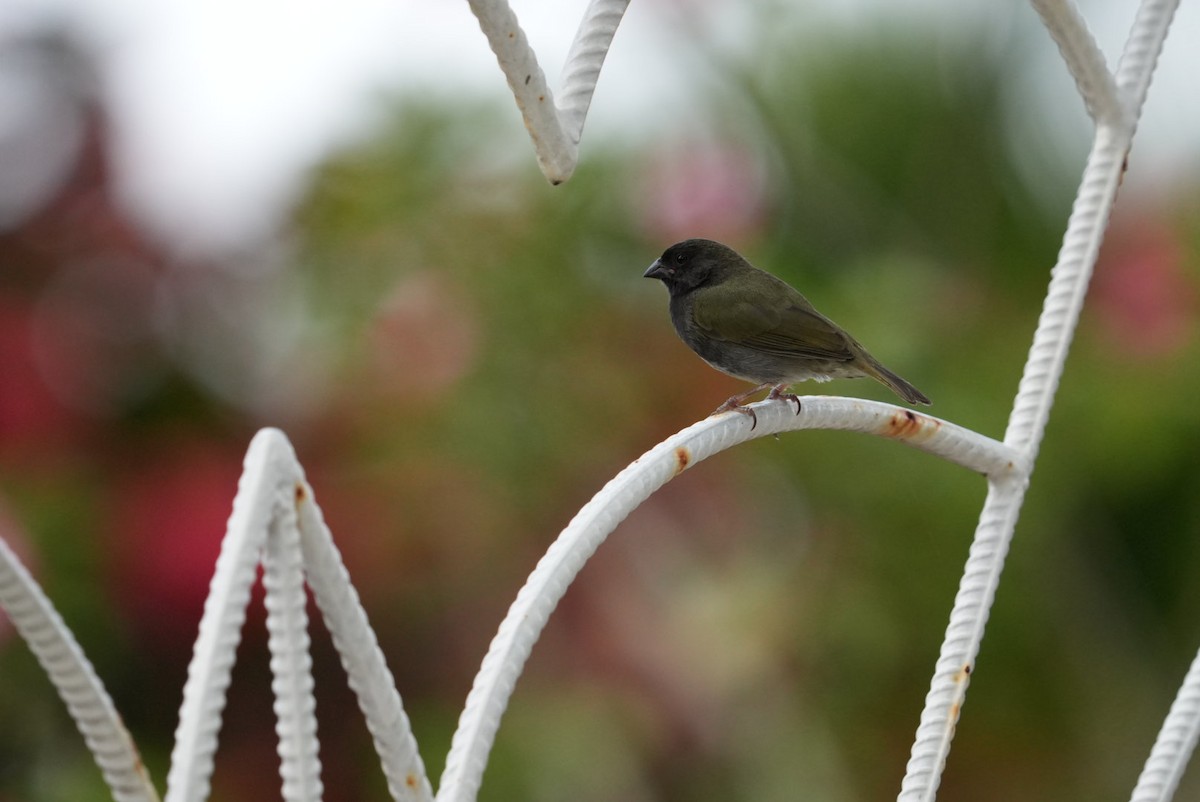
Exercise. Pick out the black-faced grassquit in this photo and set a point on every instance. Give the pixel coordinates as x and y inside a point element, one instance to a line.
<point>754,326</point>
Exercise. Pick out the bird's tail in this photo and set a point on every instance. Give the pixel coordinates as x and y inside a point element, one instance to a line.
<point>897,385</point>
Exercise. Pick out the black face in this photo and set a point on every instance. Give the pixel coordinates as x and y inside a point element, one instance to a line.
<point>692,263</point>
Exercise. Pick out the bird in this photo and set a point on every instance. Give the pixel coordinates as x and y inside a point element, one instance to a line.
<point>754,326</point>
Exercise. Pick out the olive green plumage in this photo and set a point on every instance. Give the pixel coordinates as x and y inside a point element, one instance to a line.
<point>753,326</point>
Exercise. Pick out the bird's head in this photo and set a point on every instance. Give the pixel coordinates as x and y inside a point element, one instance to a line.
<point>693,263</point>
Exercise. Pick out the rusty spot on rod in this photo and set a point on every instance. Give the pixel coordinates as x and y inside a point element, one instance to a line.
<point>683,458</point>
<point>912,426</point>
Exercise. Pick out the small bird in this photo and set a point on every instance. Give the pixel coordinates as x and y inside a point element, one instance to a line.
<point>753,326</point>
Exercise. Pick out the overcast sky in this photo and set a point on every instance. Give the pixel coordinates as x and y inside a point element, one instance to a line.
<point>220,107</point>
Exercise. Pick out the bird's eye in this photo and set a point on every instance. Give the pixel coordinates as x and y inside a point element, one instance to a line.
<point>680,258</point>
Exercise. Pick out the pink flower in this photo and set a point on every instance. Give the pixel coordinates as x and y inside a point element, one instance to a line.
<point>1146,302</point>
<point>702,190</point>
<point>424,337</point>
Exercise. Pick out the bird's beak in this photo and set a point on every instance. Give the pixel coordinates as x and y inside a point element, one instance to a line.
<point>657,270</point>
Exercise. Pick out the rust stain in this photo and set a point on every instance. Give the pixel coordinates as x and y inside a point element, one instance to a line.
<point>683,458</point>
<point>410,780</point>
<point>301,494</point>
<point>911,426</point>
<point>541,98</point>
<point>963,674</point>
<point>527,77</point>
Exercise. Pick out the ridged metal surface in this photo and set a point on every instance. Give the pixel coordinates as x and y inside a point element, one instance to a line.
<point>964,634</point>
<point>362,659</point>
<point>1141,52</point>
<point>291,660</point>
<point>1084,59</point>
<point>274,515</point>
<point>554,128</point>
<point>1043,369</point>
<point>586,57</point>
<point>73,676</point>
<point>1175,743</point>
<point>526,618</point>
<point>265,486</point>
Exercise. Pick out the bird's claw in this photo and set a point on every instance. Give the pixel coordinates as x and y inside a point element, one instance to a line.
<point>731,406</point>
<point>777,394</point>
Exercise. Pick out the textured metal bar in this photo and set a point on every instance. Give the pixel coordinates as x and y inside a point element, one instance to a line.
<point>554,128</point>
<point>1141,52</point>
<point>291,661</point>
<point>1068,287</point>
<point>73,676</point>
<point>584,61</point>
<point>1039,382</point>
<point>362,659</point>
<point>1175,743</point>
<point>1084,60</point>
<point>526,618</point>
<point>556,154</point>
<point>956,661</point>
<point>267,480</point>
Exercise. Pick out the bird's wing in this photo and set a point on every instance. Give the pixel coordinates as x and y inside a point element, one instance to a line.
<point>774,319</point>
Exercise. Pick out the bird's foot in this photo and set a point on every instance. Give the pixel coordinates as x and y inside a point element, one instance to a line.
<point>734,405</point>
<point>777,393</point>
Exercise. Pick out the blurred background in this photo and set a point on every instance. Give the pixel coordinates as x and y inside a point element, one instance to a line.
<point>216,217</point>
